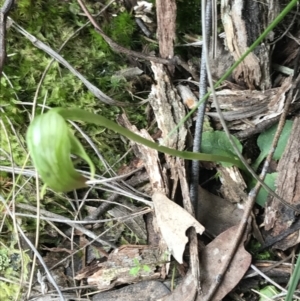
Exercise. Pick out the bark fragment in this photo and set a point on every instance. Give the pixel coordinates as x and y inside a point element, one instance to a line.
<point>242,21</point>
<point>280,218</point>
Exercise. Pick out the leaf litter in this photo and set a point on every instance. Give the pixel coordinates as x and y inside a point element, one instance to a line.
<point>173,222</point>
<point>131,264</point>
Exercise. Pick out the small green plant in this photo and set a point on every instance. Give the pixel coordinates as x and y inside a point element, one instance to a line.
<point>4,260</point>
<point>267,293</point>
<point>254,247</point>
<point>294,281</point>
<point>262,196</point>
<point>265,140</point>
<point>138,267</point>
<point>264,143</point>
<point>10,268</point>
<point>217,143</point>
<point>51,143</point>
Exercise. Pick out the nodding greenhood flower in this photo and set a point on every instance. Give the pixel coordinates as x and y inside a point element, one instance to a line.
<point>51,143</point>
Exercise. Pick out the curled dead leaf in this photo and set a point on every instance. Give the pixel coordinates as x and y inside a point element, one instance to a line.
<point>173,221</point>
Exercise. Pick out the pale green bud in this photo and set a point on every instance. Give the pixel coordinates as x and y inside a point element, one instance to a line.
<point>51,143</point>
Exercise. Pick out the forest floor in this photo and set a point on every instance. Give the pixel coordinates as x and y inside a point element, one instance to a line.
<point>152,226</point>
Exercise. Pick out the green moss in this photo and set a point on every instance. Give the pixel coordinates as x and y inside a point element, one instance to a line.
<point>254,247</point>
<point>10,268</point>
<point>188,16</point>
<point>52,23</point>
<point>121,29</point>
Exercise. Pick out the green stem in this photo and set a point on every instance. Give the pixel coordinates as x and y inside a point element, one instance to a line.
<point>294,281</point>
<point>78,114</point>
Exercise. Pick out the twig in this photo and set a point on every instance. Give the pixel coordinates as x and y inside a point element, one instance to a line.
<point>119,49</point>
<point>288,28</point>
<point>49,216</point>
<point>271,281</point>
<point>50,277</point>
<point>4,11</point>
<point>57,217</point>
<point>214,28</point>
<point>259,272</point>
<point>143,27</point>
<point>134,181</point>
<point>206,30</point>
<point>37,235</point>
<point>293,228</point>
<point>259,128</point>
<point>12,196</point>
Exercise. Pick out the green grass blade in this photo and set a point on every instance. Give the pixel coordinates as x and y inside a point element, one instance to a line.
<point>294,281</point>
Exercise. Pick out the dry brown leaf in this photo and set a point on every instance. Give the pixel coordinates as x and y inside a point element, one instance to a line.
<point>216,214</point>
<point>212,258</point>
<point>173,221</point>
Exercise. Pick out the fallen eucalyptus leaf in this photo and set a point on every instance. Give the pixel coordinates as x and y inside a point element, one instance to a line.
<point>212,258</point>
<point>173,221</point>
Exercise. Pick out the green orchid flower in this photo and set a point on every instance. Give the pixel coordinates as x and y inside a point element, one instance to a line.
<point>51,143</point>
